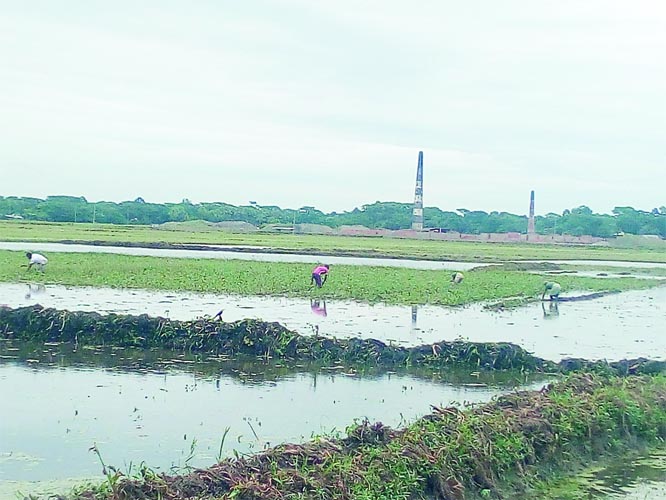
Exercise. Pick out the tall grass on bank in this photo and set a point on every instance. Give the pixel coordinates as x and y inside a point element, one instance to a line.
<point>498,450</point>
<point>371,284</point>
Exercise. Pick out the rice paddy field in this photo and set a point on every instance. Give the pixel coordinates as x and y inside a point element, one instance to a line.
<point>361,283</point>
<point>71,411</point>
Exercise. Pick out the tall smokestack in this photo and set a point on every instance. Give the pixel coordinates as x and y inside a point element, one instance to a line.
<point>530,220</point>
<point>417,213</point>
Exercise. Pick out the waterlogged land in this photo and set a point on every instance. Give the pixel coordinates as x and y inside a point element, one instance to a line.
<point>543,428</point>
<point>478,451</point>
<point>504,449</point>
<point>639,475</point>
<point>617,326</point>
<point>361,246</point>
<point>362,283</point>
<point>119,397</point>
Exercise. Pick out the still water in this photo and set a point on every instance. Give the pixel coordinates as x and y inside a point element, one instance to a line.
<point>57,403</point>
<point>216,252</point>
<point>242,253</point>
<point>643,478</point>
<point>625,325</point>
<point>135,405</point>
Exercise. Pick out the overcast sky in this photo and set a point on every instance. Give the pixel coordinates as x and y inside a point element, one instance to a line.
<point>302,102</point>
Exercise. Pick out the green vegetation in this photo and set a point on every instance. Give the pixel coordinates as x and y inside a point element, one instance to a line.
<point>324,244</point>
<point>504,449</point>
<point>372,284</point>
<point>251,338</point>
<point>388,215</point>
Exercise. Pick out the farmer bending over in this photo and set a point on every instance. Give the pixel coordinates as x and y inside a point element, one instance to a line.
<point>319,275</point>
<point>457,277</point>
<point>552,288</point>
<point>37,260</point>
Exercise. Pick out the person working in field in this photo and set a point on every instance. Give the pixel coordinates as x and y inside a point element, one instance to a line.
<point>37,260</point>
<point>319,275</point>
<point>553,289</point>
<point>552,312</point>
<point>457,278</point>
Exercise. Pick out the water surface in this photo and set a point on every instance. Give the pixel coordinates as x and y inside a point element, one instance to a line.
<point>642,478</point>
<point>171,412</point>
<point>625,325</point>
<point>254,256</point>
<point>219,252</point>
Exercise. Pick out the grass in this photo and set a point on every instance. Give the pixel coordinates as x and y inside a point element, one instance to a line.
<point>362,283</point>
<point>508,448</point>
<point>369,246</point>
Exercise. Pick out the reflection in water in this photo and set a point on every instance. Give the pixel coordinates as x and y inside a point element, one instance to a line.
<point>623,477</point>
<point>624,325</point>
<point>217,252</point>
<point>318,307</point>
<point>553,309</point>
<point>414,328</point>
<point>63,399</point>
<point>639,479</point>
<point>34,290</point>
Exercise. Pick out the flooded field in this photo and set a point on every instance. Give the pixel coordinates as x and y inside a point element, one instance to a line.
<point>173,413</point>
<point>216,252</point>
<point>614,327</point>
<point>263,254</point>
<point>146,406</point>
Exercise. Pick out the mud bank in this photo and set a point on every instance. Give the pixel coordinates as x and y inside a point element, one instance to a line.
<point>492,451</point>
<point>154,406</point>
<point>258,339</point>
<point>624,325</point>
<point>252,338</point>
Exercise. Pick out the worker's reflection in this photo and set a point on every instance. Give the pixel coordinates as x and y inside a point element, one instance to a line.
<point>552,311</point>
<point>318,307</point>
<point>34,290</point>
<point>415,311</point>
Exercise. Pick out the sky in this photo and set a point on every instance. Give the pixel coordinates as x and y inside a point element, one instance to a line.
<point>327,104</point>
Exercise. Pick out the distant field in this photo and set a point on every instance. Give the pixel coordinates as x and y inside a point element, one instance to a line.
<point>364,246</point>
<point>363,283</point>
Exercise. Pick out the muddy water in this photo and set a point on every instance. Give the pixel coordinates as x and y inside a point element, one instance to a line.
<point>139,406</point>
<point>618,326</point>
<point>643,478</point>
<point>254,256</point>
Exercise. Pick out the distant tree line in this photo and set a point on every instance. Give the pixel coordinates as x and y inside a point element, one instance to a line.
<point>388,215</point>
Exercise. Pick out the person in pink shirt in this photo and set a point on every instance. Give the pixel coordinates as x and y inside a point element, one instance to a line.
<point>319,275</point>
